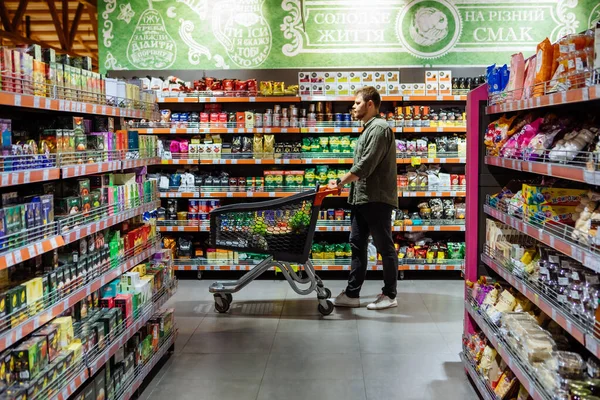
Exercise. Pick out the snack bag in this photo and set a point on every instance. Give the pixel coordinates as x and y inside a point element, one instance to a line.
<point>530,67</point>
<point>543,66</point>
<point>517,72</point>
<point>497,133</point>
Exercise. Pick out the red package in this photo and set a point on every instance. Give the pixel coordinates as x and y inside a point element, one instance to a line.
<point>107,302</point>
<point>462,180</point>
<point>223,119</point>
<point>228,85</point>
<point>252,87</point>
<point>454,180</point>
<point>208,82</point>
<point>204,118</point>
<point>125,303</point>
<point>241,86</point>
<point>240,118</point>
<point>214,118</point>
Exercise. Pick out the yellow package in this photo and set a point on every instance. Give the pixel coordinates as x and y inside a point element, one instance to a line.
<point>257,145</point>
<point>269,144</point>
<point>64,326</point>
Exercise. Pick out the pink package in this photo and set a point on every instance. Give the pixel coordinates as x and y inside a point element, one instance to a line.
<point>514,146</point>
<point>539,144</point>
<point>529,77</point>
<point>517,75</point>
<point>174,146</point>
<point>183,146</point>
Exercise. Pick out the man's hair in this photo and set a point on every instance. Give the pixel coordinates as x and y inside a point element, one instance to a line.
<point>370,93</point>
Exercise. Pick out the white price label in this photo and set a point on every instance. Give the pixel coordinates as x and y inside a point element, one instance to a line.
<point>45,175</point>
<point>61,105</point>
<point>250,194</point>
<point>47,104</point>
<point>14,178</point>
<point>5,179</point>
<point>31,250</point>
<point>39,248</point>
<point>36,102</point>
<point>26,176</point>
<point>18,256</point>
<point>103,110</point>
<point>17,100</point>
<point>251,99</point>
<point>94,109</point>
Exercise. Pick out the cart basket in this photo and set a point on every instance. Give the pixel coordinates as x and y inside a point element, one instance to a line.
<point>283,228</point>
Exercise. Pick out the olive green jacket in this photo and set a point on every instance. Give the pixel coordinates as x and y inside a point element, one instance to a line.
<point>375,165</point>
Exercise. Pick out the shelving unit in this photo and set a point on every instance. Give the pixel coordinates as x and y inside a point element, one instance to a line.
<point>180,102</point>
<point>18,171</point>
<point>488,174</point>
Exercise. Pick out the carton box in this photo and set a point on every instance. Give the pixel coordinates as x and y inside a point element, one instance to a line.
<point>317,77</point>
<point>431,77</point>
<point>431,89</point>
<point>368,78</point>
<point>393,89</point>
<point>303,77</point>
<point>445,89</point>
<point>354,87</point>
<point>406,89</point>
<point>379,77</point>
<point>381,88</point>
<point>445,76</point>
<point>541,195</point>
<point>317,89</point>
<point>354,77</point>
<point>392,77</point>
<point>330,89</point>
<point>304,89</point>
<point>418,89</point>
<point>343,89</point>
<point>342,77</point>
<point>330,77</point>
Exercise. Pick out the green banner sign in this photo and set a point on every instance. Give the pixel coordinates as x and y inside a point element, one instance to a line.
<point>244,34</point>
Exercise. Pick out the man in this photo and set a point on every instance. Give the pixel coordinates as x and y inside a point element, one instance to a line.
<point>373,196</point>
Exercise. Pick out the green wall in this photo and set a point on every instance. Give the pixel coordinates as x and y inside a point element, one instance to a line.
<point>265,34</point>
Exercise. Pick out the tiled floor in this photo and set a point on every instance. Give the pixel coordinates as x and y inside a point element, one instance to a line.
<point>275,345</point>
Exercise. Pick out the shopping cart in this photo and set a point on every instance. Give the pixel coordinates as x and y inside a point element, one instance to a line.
<point>283,231</point>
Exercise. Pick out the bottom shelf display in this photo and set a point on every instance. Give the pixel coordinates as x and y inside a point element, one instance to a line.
<point>473,369</point>
<point>548,362</point>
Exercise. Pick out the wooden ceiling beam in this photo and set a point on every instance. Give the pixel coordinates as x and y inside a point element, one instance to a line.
<point>19,39</point>
<point>19,14</point>
<point>65,21</point>
<point>89,4</point>
<point>59,31</point>
<point>75,24</point>
<point>4,17</point>
<point>92,12</point>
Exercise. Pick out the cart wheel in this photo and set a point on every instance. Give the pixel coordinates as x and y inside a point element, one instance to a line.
<point>199,275</point>
<point>326,310</point>
<point>229,297</point>
<point>222,304</point>
<point>327,294</point>
<point>401,275</point>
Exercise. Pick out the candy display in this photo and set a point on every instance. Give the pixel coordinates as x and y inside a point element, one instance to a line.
<point>438,146</point>
<point>543,137</point>
<point>429,177</point>
<point>566,64</point>
<point>436,211</point>
<point>197,210</point>
<point>416,247</point>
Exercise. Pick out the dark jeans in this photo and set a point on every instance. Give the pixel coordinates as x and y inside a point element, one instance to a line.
<point>374,219</point>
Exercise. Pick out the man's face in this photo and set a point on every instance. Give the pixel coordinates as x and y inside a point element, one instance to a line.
<point>360,107</point>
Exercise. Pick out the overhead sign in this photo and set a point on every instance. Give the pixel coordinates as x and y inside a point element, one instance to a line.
<point>245,34</point>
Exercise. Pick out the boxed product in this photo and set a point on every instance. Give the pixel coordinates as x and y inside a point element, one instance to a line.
<point>317,89</point>
<point>30,357</point>
<point>431,89</point>
<point>317,77</point>
<point>445,89</point>
<point>406,89</point>
<point>354,77</point>
<point>379,77</point>
<point>100,385</point>
<point>50,332</point>
<point>393,89</point>
<point>392,77</point>
<point>445,77</point>
<point>329,77</point>
<point>343,89</point>
<point>547,213</point>
<point>64,326</point>
<point>542,195</point>
<point>381,88</point>
<point>431,77</point>
<point>418,89</point>
<point>305,89</point>
<point>368,78</point>
<point>303,77</point>
<point>125,303</point>
<point>342,77</point>
<point>330,89</point>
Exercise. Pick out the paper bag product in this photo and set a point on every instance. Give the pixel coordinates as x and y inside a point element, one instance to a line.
<point>517,77</point>
<point>543,67</point>
<point>530,68</point>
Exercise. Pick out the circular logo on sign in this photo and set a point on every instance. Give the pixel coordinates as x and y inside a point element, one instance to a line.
<point>428,28</point>
<point>594,17</point>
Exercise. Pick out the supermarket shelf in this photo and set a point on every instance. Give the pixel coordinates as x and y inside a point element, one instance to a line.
<point>117,218</point>
<point>185,228</point>
<point>27,252</point>
<point>297,161</point>
<point>230,99</point>
<point>559,98</point>
<point>563,319</point>
<point>335,129</point>
<point>586,256</point>
<point>195,131</point>
<point>140,162</point>
<point>433,228</point>
<point>28,176</point>
<point>136,381</point>
<point>323,227</point>
<point>111,348</point>
<point>484,390</point>
<point>73,171</point>
<point>511,360</point>
<point>432,129</point>
<point>320,265</point>
<point>576,173</point>
<point>455,97</point>
<point>44,103</point>
<point>271,194</point>
<point>20,331</point>
<point>73,385</point>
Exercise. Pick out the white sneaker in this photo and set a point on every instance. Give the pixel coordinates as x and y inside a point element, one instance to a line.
<point>342,300</point>
<point>382,303</point>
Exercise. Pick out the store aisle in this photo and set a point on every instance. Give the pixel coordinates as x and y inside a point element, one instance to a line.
<point>274,345</point>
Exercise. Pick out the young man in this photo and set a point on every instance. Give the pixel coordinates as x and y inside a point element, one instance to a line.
<point>373,196</point>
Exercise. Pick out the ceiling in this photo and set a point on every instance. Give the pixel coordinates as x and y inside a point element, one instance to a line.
<point>69,26</point>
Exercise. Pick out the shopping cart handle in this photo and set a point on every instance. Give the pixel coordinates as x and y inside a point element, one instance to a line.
<point>324,191</point>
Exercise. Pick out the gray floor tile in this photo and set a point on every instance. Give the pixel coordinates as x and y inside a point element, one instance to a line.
<point>217,366</point>
<point>324,342</point>
<point>402,343</point>
<point>230,342</point>
<point>202,389</point>
<point>314,366</point>
<point>336,322</point>
<point>303,389</point>
<point>238,323</point>
<point>394,320</point>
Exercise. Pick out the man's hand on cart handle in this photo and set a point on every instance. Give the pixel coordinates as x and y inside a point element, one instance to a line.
<point>339,183</point>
